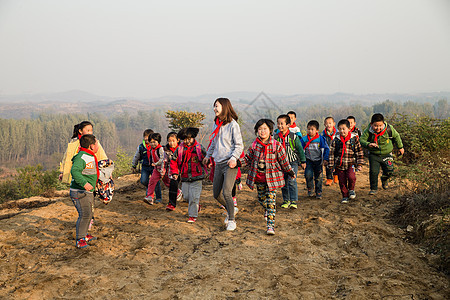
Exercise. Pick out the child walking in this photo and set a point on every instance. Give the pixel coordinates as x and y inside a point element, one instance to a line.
<point>85,174</point>
<point>174,192</point>
<point>379,138</point>
<point>353,128</point>
<point>157,155</point>
<point>346,154</point>
<point>225,148</point>
<point>73,147</point>
<point>186,164</point>
<point>329,133</point>
<point>293,126</point>
<point>295,154</point>
<point>316,152</point>
<point>143,155</point>
<point>267,160</point>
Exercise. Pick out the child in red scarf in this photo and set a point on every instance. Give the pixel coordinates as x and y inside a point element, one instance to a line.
<point>174,192</point>
<point>186,164</point>
<point>329,133</point>
<point>353,128</point>
<point>293,126</point>
<point>85,174</point>
<point>267,160</point>
<point>157,157</point>
<point>346,154</point>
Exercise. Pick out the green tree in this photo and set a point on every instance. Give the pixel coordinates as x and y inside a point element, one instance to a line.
<point>183,119</point>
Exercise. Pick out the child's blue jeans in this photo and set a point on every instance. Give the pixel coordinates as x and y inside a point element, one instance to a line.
<point>84,203</point>
<point>313,175</point>
<point>290,190</point>
<point>146,172</point>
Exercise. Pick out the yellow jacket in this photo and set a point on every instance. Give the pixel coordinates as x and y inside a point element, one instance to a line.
<point>72,149</point>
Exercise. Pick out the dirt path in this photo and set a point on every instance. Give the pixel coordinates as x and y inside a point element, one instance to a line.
<point>322,250</point>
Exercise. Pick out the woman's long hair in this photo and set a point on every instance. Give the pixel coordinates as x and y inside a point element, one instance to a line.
<point>228,113</point>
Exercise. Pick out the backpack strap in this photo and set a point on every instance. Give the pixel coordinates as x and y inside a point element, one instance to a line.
<point>198,149</point>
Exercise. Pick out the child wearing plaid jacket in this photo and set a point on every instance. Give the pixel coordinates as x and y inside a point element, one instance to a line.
<point>267,160</point>
<point>346,154</point>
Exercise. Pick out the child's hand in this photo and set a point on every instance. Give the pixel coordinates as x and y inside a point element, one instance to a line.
<point>206,162</point>
<point>60,177</point>
<point>232,163</point>
<point>374,145</point>
<point>325,163</point>
<point>175,176</point>
<point>401,151</point>
<point>153,164</point>
<point>303,165</point>
<point>88,186</point>
<point>358,168</point>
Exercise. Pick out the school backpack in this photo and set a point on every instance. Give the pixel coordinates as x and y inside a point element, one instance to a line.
<point>198,150</point>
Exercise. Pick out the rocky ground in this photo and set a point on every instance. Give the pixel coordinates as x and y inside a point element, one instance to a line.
<point>322,250</point>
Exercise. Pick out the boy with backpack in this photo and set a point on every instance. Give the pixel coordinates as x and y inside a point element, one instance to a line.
<point>345,155</point>
<point>295,154</point>
<point>379,138</point>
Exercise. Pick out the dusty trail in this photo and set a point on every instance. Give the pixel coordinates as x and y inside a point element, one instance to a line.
<point>322,250</point>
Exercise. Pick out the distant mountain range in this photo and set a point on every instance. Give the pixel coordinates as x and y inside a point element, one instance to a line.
<point>77,101</point>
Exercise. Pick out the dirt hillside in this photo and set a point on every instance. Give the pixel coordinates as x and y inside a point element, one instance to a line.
<point>322,250</point>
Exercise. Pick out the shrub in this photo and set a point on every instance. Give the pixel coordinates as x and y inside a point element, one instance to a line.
<point>30,181</point>
<point>122,164</point>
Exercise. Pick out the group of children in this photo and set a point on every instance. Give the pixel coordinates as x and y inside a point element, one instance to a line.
<point>272,160</point>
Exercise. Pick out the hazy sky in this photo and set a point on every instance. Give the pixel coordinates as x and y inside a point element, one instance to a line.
<point>147,49</point>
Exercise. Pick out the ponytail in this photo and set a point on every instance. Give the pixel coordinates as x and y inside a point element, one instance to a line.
<point>78,127</point>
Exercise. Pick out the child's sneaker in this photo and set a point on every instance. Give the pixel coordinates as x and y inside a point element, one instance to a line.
<point>170,207</point>
<point>372,192</point>
<point>344,200</point>
<point>157,201</point>
<point>270,231</point>
<point>335,179</point>
<point>81,243</point>
<point>239,187</point>
<point>191,220</point>
<point>148,200</point>
<point>285,204</point>
<point>89,238</point>
<point>231,225</point>
<point>319,196</point>
<point>329,182</point>
<point>199,208</point>
<point>234,201</point>
<point>352,194</point>
<point>236,210</point>
<point>293,205</point>
<point>179,195</point>
<point>310,194</point>
<point>384,184</point>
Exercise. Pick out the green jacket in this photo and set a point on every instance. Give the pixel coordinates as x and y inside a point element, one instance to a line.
<point>385,142</point>
<point>83,170</point>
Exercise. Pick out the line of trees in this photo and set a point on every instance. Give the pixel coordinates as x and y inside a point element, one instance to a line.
<point>32,141</point>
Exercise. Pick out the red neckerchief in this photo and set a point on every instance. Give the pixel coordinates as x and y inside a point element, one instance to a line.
<point>173,149</point>
<point>154,156</point>
<point>79,136</point>
<point>379,134</point>
<point>344,148</point>
<point>88,151</point>
<point>149,150</point>
<point>188,152</point>
<point>213,135</point>
<point>310,140</point>
<point>283,138</point>
<point>258,140</point>
<point>293,125</point>
<point>330,136</point>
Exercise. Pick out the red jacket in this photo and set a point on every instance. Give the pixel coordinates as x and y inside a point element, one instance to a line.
<point>187,162</point>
